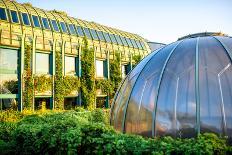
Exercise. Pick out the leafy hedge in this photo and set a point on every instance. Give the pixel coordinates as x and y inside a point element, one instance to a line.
<point>86,133</point>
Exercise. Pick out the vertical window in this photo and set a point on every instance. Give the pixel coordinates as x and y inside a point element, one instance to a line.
<point>94,34</point>
<point>42,103</point>
<point>8,71</point>
<point>72,29</point>
<point>129,42</point>
<point>101,102</point>
<point>42,63</point>
<point>63,27</point>
<point>80,31</point>
<point>87,33</point>
<point>123,41</point>
<point>143,45</point>
<point>138,44</point>
<point>99,68</point>
<point>134,43</point>
<point>112,37</point>
<point>45,23</point>
<point>106,35</point>
<point>25,19</point>
<point>70,65</point>
<point>100,34</point>
<point>70,103</point>
<point>35,21</point>
<point>125,70</point>
<point>118,40</point>
<point>3,14</point>
<point>14,16</point>
<point>55,26</point>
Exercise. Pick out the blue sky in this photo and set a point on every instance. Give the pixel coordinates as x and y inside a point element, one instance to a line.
<point>159,21</point>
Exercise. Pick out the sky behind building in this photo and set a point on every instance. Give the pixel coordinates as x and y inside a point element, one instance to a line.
<point>159,21</point>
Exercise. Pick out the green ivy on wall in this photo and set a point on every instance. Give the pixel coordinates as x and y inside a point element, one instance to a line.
<point>42,83</point>
<point>137,59</point>
<point>28,79</point>
<point>105,85</point>
<point>70,84</point>
<point>88,77</point>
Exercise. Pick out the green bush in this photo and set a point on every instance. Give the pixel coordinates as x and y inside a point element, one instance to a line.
<point>71,132</point>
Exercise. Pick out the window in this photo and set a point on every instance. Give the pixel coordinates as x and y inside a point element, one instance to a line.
<point>123,41</point>
<point>36,21</point>
<point>55,26</point>
<point>87,33</point>
<point>8,71</point>
<point>42,103</point>
<point>138,44</point>
<point>80,31</point>
<point>100,34</point>
<point>112,37</point>
<point>70,103</point>
<point>72,29</point>
<point>25,19</point>
<point>45,23</point>
<point>129,42</point>
<point>63,27</point>
<point>118,40</point>
<point>42,63</point>
<point>106,35</point>
<point>99,68</point>
<point>134,43</point>
<point>101,102</point>
<point>8,103</point>
<point>14,16</point>
<point>143,45</point>
<point>125,70</point>
<point>70,65</point>
<point>94,34</point>
<point>3,14</point>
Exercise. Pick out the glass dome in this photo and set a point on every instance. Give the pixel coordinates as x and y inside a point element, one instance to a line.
<point>180,90</point>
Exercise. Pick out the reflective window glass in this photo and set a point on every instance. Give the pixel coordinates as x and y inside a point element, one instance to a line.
<point>124,41</point>
<point>129,42</point>
<point>42,63</point>
<point>3,14</point>
<point>106,35</point>
<point>72,29</point>
<point>142,44</point>
<point>63,27</point>
<point>118,40</point>
<point>55,26</point>
<point>14,16</point>
<point>45,23</point>
<point>8,103</point>
<point>99,68</point>
<point>8,71</point>
<point>35,21</point>
<point>139,45</point>
<point>87,33</point>
<point>70,65</point>
<point>94,34</point>
<point>112,37</point>
<point>134,43</point>
<point>100,34</point>
<point>80,31</point>
<point>25,19</point>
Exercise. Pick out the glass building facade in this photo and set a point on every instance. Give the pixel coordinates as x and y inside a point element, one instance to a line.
<point>49,32</point>
<point>180,90</point>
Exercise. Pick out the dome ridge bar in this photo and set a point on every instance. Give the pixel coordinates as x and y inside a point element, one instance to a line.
<point>197,91</point>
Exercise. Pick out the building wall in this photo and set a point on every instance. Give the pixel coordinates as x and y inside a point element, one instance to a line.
<point>47,32</point>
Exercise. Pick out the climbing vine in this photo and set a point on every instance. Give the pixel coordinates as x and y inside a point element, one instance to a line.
<point>137,59</point>
<point>42,83</point>
<point>28,79</point>
<point>105,85</point>
<point>70,84</point>
<point>88,77</point>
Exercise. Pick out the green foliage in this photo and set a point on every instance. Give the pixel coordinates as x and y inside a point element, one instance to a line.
<point>137,59</point>
<point>11,85</point>
<point>28,79</point>
<point>98,115</point>
<point>105,85</point>
<point>70,83</point>
<point>74,132</point>
<point>42,83</point>
<point>88,77</point>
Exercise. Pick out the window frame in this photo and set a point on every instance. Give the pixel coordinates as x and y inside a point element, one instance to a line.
<point>94,34</point>
<point>62,23</point>
<point>49,64</point>
<point>80,29</point>
<point>138,44</point>
<point>73,28</point>
<point>44,24</point>
<point>75,66</point>
<point>57,26</point>
<point>129,42</point>
<point>33,21</point>
<point>134,43</point>
<point>101,36</point>
<point>5,12</point>
<point>23,13</point>
<point>107,37</point>
<point>89,36</point>
<point>124,42</point>
<point>119,40</point>
<point>17,16</point>
<point>102,76</point>
<point>113,39</point>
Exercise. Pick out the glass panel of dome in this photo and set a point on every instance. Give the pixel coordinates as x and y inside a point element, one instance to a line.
<point>100,34</point>
<point>63,27</point>
<point>35,21</point>
<point>70,65</point>
<point>134,43</point>
<point>118,40</point>
<point>45,23</point>
<point>139,97</point>
<point>129,42</point>
<point>139,45</point>
<point>177,113</point>
<point>3,14</point>
<point>213,63</point>
<point>94,34</point>
<point>80,31</point>
<point>55,26</point>
<point>42,68</point>
<point>72,29</point>
<point>112,37</point>
<point>106,35</point>
<point>123,41</point>
<point>25,19</point>
<point>14,16</point>
<point>87,33</point>
<point>8,71</point>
